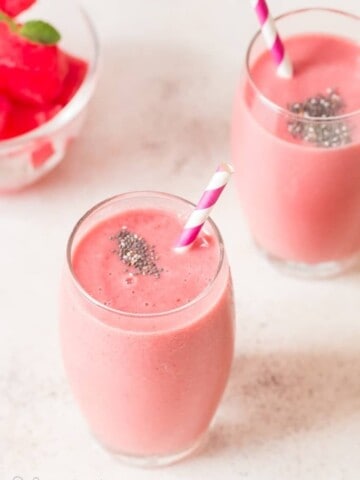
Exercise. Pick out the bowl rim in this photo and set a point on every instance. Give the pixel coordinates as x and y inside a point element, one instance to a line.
<point>76,103</point>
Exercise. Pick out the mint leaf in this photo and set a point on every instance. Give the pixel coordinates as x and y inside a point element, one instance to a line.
<point>8,20</point>
<point>40,32</point>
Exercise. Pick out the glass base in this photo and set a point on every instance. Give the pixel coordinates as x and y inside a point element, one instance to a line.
<point>311,271</point>
<point>156,461</point>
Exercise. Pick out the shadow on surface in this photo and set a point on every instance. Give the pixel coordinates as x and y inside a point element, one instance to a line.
<point>273,396</point>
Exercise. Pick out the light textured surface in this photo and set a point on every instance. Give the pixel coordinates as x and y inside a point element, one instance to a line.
<point>160,120</point>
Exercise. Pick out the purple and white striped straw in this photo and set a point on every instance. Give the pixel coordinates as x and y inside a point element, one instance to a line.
<point>204,207</point>
<point>272,39</point>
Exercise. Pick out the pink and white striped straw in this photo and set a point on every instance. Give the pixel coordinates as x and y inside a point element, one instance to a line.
<point>203,209</point>
<point>272,39</point>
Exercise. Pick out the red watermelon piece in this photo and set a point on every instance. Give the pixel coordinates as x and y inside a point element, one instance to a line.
<point>30,72</point>
<point>5,108</point>
<point>77,70</point>
<point>42,154</point>
<point>14,7</point>
<point>36,81</point>
<point>24,118</point>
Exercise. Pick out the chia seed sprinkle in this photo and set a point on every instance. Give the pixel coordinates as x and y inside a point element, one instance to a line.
<point>329,134</point>
<point>134,251</point>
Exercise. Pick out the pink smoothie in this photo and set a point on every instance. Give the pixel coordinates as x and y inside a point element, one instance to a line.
<point>150,362</point>
<point>302,201</point>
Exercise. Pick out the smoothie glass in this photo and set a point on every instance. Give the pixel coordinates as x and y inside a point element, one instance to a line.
<point>148,384</point>
<point>301,200</point>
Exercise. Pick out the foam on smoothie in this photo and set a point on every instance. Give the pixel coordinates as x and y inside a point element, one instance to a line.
<point>183,276</point>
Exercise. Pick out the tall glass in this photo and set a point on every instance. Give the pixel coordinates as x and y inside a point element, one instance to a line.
<point>148,384</point>
<point>301,196</point>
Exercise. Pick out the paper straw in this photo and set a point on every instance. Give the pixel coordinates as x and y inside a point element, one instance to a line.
<point>272,39</point>
<point>204,207</point>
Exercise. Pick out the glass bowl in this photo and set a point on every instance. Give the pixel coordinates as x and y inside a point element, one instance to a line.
<point>26,158</point>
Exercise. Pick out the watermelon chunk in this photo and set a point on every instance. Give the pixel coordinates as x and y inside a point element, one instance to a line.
<point>77,70</point>
<point>42,154</point>
<point>30,72</point>
<point>36,80</point>
<point>23,118</point>
<point>14,7</point>
<point>5,108</point>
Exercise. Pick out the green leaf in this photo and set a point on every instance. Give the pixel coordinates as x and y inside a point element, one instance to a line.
<point>8,20</point>
<point>40,32</point>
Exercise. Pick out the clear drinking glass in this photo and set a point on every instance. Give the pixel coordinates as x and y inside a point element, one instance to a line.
<point>148,384</point>
<point>301,199</point>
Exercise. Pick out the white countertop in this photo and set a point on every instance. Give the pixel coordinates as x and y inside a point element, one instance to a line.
<point>160,120</point>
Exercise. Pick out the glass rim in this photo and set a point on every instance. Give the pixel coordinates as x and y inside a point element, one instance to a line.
<point>118,312</point>
<point>273,105</point>
<point>76,103</point>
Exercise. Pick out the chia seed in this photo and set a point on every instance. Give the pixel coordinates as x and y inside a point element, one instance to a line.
<point>134,251</point>
<point>330,134</point>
